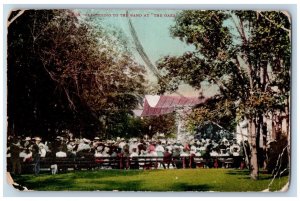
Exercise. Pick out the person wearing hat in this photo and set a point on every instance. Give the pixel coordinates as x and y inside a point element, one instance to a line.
<point>36,155</point>
<point>27,143</point>
<point>122,143</point>
<point>169,146</point>
<point>96,142</point>
<point>71,146</point>
<point>176,157</point>
<point>133,145</point>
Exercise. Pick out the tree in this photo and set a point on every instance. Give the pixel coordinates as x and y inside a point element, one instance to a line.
<point>246,54</point>
<point>65,73</point>
<point>165,124</point>
<point>219,110</point>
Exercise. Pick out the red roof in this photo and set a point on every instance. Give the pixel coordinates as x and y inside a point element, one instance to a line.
<point>167,104</point>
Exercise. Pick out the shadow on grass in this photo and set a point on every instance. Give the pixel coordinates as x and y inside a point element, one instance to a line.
<point>116,185</point>
<point>188,187</point>
<point>238,172</point>
<point>81,174</point>
<point>49,184</point>
<point>69,181</point>
<point>245,174</point>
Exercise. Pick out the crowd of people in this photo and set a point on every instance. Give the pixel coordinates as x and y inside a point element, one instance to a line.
<point>32,149</point>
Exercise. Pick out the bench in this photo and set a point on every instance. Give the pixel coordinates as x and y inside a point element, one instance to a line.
<point>139,162</point>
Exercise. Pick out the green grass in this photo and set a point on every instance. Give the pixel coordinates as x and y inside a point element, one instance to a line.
<point>224,180</point>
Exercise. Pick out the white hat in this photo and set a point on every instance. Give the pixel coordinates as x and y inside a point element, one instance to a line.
<point>134,140</point>
<point>96,138</point>
<point>86,140</point>
<point>37,139</point>
<point>27,138</point>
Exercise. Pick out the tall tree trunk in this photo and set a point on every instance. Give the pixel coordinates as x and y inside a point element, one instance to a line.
<point>265,134</point>
<point>287,112</point>
<point>253,145</point>
<point>259,134</point>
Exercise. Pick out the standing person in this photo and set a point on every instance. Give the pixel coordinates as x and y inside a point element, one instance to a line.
<point>15,149</point>
<point>36,155</point>
<point>159,149</point>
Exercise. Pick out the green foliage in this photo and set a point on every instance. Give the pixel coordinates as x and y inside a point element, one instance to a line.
<point>160,124</point>
<point>65,73</point>
<point>217,110</point>
<point>246,54</point>
<point>203,29</point>
<point>89,66</point>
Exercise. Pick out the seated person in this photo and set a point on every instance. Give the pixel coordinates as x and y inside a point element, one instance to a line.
<point>23,154</point>
<point>27,156</point>
<point>134,161</point>
<point>134,153</point>
<point>61,154</point>
<point>176,157</point>
<point>159,149</point>
<point>167,159</point>
<point>185,160</point>
<point>214,153</point>
<point>97,154</point>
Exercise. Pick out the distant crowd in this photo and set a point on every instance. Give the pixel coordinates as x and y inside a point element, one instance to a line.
<point>32,149</point>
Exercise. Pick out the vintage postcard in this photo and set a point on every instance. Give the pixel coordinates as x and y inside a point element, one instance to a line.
<point>148,100</point>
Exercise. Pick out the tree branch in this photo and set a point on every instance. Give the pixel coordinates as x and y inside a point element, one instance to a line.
<point>14,18</point>
<point>276,24</point>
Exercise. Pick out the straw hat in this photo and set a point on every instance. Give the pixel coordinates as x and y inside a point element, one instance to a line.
<point>86,140</point>
<point>27,138</point>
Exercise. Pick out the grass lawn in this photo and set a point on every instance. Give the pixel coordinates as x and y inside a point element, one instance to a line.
<point>225,180</point>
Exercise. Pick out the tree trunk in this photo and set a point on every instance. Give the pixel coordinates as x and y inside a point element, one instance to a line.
<point>253,144</point>
<point>287,112</point>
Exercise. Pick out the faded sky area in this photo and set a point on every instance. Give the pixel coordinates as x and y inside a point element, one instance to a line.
<point>152,28</point>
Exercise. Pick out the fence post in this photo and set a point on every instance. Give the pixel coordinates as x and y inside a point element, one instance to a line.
<point>121,162</point>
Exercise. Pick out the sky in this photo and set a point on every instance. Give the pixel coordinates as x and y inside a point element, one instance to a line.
<point>152,27</point>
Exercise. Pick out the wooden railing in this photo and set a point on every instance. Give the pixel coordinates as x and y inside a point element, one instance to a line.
<point>140,162</point>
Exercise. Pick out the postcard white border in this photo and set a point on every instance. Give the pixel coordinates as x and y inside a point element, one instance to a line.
<point>9,192</point>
